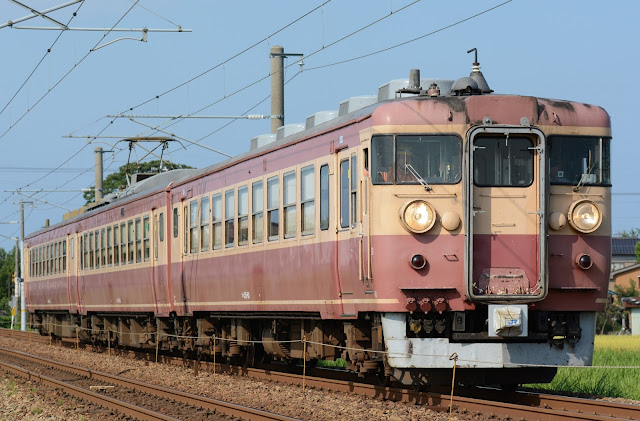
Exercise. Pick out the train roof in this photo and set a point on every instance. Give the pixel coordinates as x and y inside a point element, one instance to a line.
<point>350,110</point>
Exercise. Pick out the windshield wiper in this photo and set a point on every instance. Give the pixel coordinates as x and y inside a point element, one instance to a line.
<point>418,177</point>
<point>584,177</point>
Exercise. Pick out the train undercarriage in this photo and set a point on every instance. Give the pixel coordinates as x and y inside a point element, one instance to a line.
<point>249,339</point>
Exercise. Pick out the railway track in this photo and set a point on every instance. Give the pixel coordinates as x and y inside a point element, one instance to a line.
<point>487,402</point>
<point>127,396</point>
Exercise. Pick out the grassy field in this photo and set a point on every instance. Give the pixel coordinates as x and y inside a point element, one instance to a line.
<point>610,351</point>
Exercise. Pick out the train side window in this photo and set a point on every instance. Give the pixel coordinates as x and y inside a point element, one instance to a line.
<point>307,199</point>
<point>54,247</point>
<point>204,224</point>
<point>344,193</point>
<point>354,191</point>
<point>109,248</point>
<point>83,252</point>
<point>72,249</point>
<point>229,218</point>
<point>116,246</point>
<point>156,244</point>
<point>185,229</point>
<point>91,255</point>
<point>257,205</point>
<point>273,208</point>
<point>382,153</point>
<point>243,215</point>
<point>58,257</point>
<point>97,248</point>
<point>175,222</point>
<point>103,250</point>
<point>64,256</point>
<point>324,197</point>
<point>138,241</point>
<point>131,244</point>
<point>161,228</point>
<point>217,221</point>
<point>123,244</point>
<point>289,204</point>
<point>194,226</point>
<point>145,239</point>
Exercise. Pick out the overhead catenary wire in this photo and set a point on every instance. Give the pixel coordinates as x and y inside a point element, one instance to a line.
<point>261,79</point>
<point>224,97</point>
<point>75,66</point>
<point>174,121</point>
<point>41,60</point>
<point>228,59</point>
<point>409,41</point>
<point>198,76</point>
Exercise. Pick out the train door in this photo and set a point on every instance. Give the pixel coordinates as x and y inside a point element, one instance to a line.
<point>71,271</point>
<point>180,249</point>
<point>347,241</point>
<point>506,233</point>
<point>159,256</point>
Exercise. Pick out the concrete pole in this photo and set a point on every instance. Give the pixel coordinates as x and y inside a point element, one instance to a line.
<point>16,267</point>
<point>277,88</point>
<point>98,168</point>
<point>23,302</point>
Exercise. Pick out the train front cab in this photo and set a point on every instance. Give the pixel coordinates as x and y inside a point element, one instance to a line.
<point>518,310</point>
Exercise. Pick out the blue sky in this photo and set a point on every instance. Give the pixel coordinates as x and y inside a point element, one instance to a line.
<point>577,50</point>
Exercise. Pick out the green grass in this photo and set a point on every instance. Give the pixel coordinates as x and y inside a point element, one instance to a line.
<point>339,362</point>
<point>610,351</point>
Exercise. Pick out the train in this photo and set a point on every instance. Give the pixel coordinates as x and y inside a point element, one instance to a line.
<point>433,222</point>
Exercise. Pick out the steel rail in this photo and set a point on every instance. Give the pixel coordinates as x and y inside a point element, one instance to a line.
<point>532,405</point>
<point>93,397</point>
<point>155,390</point>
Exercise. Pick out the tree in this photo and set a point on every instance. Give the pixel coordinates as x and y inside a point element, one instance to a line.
<point>637,252</point>
<point>7,267</point>
<point>630,291</point>
<point>119,179</point>
<point>632,233</point>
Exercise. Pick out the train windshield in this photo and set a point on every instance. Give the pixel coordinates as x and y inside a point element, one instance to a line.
<point>436,158</point>
<point>583,160</point>
<point>503,161</point>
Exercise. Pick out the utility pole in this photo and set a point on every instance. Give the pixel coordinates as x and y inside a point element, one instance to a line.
<point>15,270</point>
<point>15,287</point>
<point>99,174</point>
<point>277,87</point>
<point>23,301</point>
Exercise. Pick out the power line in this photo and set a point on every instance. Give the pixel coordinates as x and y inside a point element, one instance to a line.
<point>176,120</point>
<point>200,75</point>
<point>409,41</point>
<point>41,60</point>
<point>68,72</point>
<point>228,59</point>
<point>39,169</point>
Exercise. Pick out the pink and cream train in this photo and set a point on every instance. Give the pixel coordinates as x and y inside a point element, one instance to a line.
<point>436,218</point>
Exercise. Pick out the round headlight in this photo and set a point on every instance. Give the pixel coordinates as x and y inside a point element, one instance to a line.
<point>417,216</point>
<point>585,216</point>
